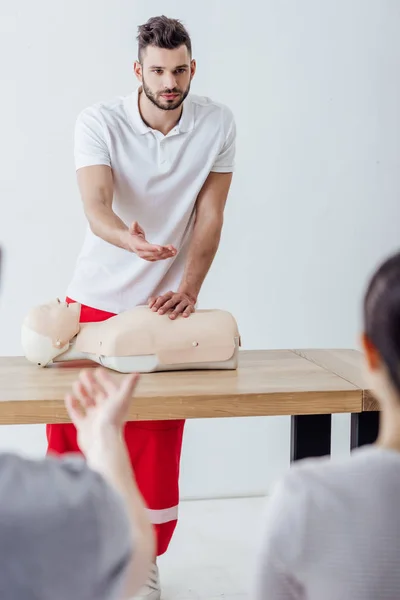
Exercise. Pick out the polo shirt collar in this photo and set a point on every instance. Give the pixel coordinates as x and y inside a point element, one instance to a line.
<point>185,124</point>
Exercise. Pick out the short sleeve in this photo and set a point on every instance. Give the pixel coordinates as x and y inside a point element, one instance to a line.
<point>225,161</point>
<point>66,531</point>
<point>90,141</point>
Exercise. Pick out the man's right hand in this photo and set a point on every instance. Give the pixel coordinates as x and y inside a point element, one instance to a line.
<point>138,244</point>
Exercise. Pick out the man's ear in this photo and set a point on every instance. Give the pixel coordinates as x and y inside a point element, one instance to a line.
<point>370,352</point>
<point>193,67</point>
<point>137,69</point>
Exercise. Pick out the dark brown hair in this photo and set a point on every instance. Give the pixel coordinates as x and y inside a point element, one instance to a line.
<point>382,315</point>
<point>162,32</point>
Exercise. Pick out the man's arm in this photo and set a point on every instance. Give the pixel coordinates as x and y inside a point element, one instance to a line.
<point>96,188</point>
<point>210,207</point>
<point>95,178</point>
<point>207,229</point>
<point>96,185</point>
<point>205,240</point>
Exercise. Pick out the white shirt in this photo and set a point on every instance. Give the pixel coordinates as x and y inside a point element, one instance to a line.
<point>333,531</point>
<point>157,180</point>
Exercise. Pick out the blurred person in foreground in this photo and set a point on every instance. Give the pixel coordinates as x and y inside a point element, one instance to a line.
<point>333,528</point>
<point>76,528</point>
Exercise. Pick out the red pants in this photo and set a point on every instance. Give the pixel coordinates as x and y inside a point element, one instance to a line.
<point>154,448</point>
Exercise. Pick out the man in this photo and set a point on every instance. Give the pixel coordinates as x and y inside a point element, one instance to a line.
<point>154,170</point>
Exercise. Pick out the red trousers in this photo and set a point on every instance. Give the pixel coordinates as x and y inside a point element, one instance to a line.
<point>154,448</point>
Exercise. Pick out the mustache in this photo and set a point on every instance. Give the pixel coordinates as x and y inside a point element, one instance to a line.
<point>171,91</point>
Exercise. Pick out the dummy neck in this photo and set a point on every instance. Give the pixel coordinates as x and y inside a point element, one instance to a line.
<point>72,353</point>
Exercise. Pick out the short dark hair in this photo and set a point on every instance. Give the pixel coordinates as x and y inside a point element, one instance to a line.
<point>162,32</point>
<point>382,315</point>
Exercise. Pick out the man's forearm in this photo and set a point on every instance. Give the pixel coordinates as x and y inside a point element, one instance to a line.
<point>107,225</point>
<point>203,247</point>
<point>97,190</point>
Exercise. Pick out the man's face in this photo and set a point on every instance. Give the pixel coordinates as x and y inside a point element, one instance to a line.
<point>166,75</point>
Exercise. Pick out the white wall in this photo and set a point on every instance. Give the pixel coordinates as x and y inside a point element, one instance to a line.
<point>314,205</point>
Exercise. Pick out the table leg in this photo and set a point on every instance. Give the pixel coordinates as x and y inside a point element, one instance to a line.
<point>310,436</point>
<point>364,428</point>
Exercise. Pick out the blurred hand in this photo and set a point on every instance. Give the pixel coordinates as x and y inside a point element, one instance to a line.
<point>139,245</point>
<point>98,403</point>
<point>176,303</point>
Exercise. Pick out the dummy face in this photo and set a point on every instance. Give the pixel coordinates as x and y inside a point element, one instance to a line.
<point>54,309</point>
<point>48,330</point>
<point>56,320</point>
<point>165,75</point>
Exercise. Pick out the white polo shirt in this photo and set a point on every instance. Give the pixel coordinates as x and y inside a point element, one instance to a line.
<point>157,180</point>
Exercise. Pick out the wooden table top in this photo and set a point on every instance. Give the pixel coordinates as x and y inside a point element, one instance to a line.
<point>267,382</point>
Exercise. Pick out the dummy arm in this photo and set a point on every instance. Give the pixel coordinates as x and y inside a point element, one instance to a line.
<point>206,233</point>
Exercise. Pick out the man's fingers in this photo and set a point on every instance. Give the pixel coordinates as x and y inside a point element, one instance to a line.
<point>171,302</point>
<point>151,301</point>
<point>143,246</point>
<point>168,305</point>
<point>153,256</point>
<point>162,300</point>
<point>148,254</point>
<point>74,409</point>
<point>188,311</point>
<point>179,309</point>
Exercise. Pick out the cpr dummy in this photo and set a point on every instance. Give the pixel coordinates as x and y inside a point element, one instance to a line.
<point>137,340</point>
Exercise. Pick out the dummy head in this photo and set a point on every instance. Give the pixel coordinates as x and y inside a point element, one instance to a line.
<point>48,329</point>
<point>381,337</point>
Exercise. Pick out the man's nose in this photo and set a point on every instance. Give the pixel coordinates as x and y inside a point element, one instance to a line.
<point>170,81</point>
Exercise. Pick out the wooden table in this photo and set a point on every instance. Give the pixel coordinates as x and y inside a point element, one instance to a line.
<point>309,385</point>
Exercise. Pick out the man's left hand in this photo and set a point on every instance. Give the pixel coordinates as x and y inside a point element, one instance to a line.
<point>176,303</point>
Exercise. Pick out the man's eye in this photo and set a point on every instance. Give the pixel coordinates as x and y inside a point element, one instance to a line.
<point>158,71</point>
<point>180,71</point>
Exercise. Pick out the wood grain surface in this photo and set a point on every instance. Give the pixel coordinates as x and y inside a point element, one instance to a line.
<point>267,382</point>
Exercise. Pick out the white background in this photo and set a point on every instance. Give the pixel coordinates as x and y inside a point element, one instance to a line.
<point>314,204</point>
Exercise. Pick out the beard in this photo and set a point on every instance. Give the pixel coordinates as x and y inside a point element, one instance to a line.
<point>162,103</point>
